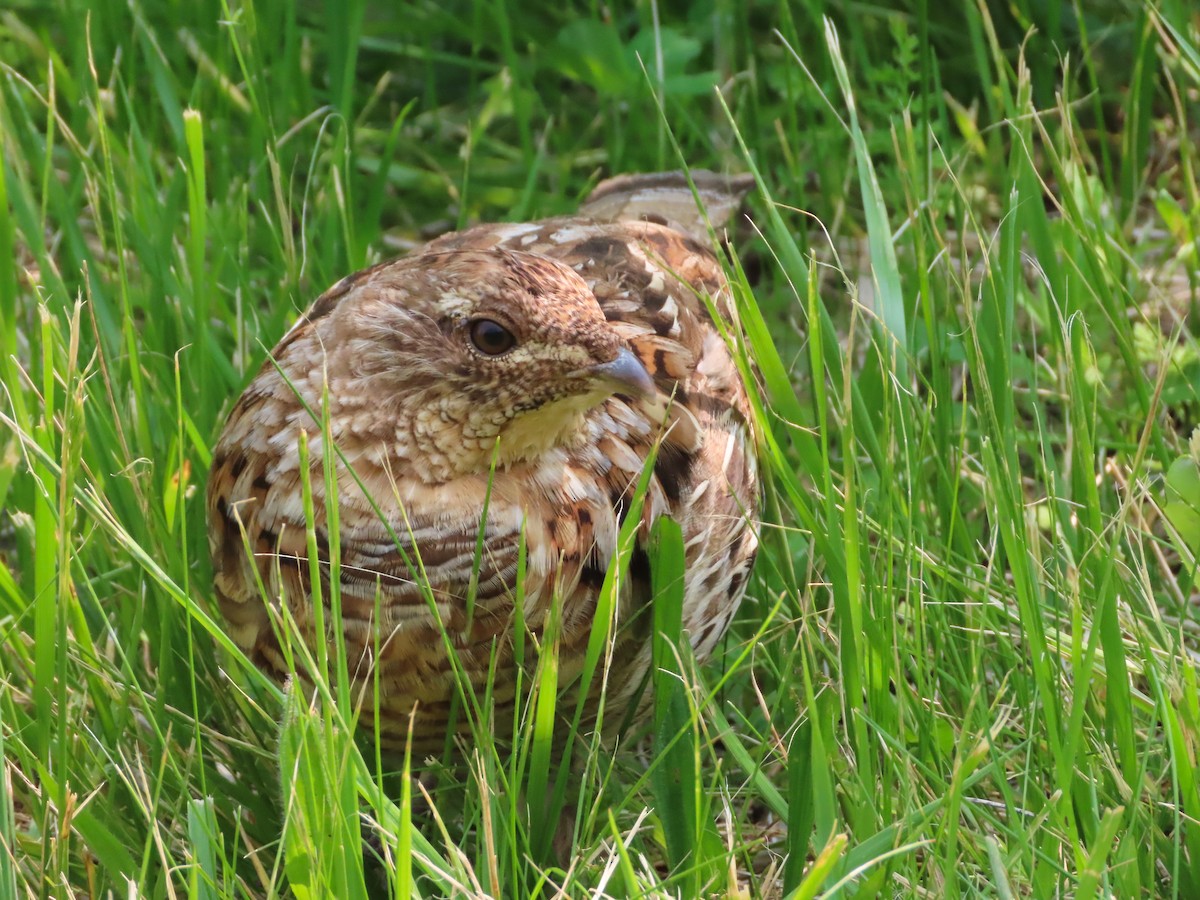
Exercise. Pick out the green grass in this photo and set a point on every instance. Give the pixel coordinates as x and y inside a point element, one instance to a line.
<point>967,660</point>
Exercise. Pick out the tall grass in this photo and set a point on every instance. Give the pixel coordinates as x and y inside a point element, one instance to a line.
<point>967,660</point>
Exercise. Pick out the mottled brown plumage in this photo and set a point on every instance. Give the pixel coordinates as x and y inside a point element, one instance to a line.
<point>613,351</point>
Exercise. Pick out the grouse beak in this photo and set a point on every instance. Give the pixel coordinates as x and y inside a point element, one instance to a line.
<point>627,375</point>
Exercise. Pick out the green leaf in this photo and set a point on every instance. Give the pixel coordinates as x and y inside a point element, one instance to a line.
<point>1182,508</point>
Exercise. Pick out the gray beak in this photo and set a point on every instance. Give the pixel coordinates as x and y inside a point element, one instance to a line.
<point>627,374</point>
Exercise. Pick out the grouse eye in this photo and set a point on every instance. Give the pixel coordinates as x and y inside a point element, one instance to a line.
<point>491,338</point>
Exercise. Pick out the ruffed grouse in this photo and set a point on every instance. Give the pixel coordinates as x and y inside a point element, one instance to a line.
<point>543,359</point>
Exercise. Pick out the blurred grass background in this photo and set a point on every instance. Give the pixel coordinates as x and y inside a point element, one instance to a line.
<point>966,664</point>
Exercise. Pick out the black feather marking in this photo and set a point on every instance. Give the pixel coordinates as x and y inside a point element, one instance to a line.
<point>654,300</point>
<point>639,566</point>
<point>673,468</point>
<point>737,582</point>
<point>238,466</point>
<point>592,575</point>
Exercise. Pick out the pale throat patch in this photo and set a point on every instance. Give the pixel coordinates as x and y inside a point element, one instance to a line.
<point>556,424</point>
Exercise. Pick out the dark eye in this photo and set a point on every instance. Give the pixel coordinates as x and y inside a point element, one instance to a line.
<point>491,337</point>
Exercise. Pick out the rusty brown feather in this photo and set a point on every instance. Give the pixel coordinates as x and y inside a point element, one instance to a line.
<point>557,352</point>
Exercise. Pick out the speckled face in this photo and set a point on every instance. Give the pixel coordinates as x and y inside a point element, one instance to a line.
<point>459,348</point>
<point>517,320</point>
